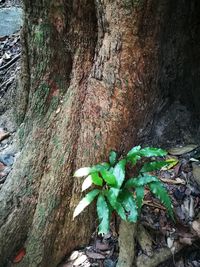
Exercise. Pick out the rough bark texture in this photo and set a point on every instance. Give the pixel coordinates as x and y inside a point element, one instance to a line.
<point>89,84</point>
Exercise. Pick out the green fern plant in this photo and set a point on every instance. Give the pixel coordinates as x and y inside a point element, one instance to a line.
<point>115,192</point>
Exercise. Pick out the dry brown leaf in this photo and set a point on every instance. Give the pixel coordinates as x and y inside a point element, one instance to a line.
<point>94,255</point>
<point>102,246</point>
<point>20,254</point>
<point>3,135</point>
<point>196,227</point>
<point>80,260</point>
<point>171,181</point>
<point>177,151</point>
<point>185,240</point>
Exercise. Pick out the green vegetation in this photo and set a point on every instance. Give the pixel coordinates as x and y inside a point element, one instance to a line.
<point>116,192</point>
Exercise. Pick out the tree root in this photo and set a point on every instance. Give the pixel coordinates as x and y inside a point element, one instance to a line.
<point>158,257</point>
<point>145,240</point>
<point>127,232</point>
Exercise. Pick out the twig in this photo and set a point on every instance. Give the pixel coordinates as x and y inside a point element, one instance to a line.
<point>7,82</point>
<point>153,204</point>
<point>11,62</point>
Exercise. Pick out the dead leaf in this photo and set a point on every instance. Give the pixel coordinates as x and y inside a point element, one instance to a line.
<point>185,240</point>
<point>74,255</point>
<point>171,163</point>
<point>171,181</point>
<point>194,160</point>
<point>191,207</point>
<point>196,227</point>
<point>170,242</point>
<point>177,151</point>
<point>3,134</point>
<point>3,38</point>
<point>7,56</point>
<point>58,110</point>
<point>80,260</point>
<point>94,255</point>
<point>196,172</point>
<point>67,264</point>
<point>20,255</point>
<point>102,246</point>
<point>2,166</point>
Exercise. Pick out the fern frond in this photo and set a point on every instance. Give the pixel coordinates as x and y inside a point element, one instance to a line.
<point>161,193</point>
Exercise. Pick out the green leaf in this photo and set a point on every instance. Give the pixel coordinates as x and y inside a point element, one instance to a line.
<point>134,151</point>
<point>83,172</point>
<point>139,196</point>
<point>112,157</point>
<point>96,179</point>
<point>88,170</point>
<point>103,215</point>
<point>101,166</point>
<point>119,172</point>
<point>153,166</point>
<point>140,181</point>
<point>114,192</point>
<point>152,152</point>
<point>112,198</point>
<point>87,183</point>
<point>171,162</point>
<point>129,204</point>
<point>109,177</point>
<point>85,202</point>
<point>161,193</point>
<point>134,159</point>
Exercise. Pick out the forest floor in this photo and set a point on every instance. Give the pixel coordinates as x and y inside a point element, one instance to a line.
<point>162,242</point>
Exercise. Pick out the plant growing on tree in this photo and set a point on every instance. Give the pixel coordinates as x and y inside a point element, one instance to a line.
<point>116,192</point>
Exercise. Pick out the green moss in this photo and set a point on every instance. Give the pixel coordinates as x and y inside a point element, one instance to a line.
<point>129,4</point>
<point>126,82</point>
<point>44,213</point>
<point>43,90</point>
<point>39,36</point>
<point>60,83</point>
<point>41,67</point>
<point>98,136</point>
<point>40,97</point>
<point>62,160</point>
<point>56,142</point>
<point>53,204</point>
<point>118,83</point>
<point>54,103</point>
<point>41,214</point>
<point>21,134</point>
<point>136,2</point>
<point>29,190</point>
<point>41,32</point>
<point>96,146</point>
<point>30,178</point>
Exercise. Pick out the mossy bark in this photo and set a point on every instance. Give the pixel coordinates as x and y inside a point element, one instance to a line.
<point>89,84</point>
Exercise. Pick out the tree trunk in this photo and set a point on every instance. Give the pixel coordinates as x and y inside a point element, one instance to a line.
<point>88,86</point>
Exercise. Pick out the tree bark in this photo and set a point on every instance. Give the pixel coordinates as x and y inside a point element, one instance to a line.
<point>88,86</point>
